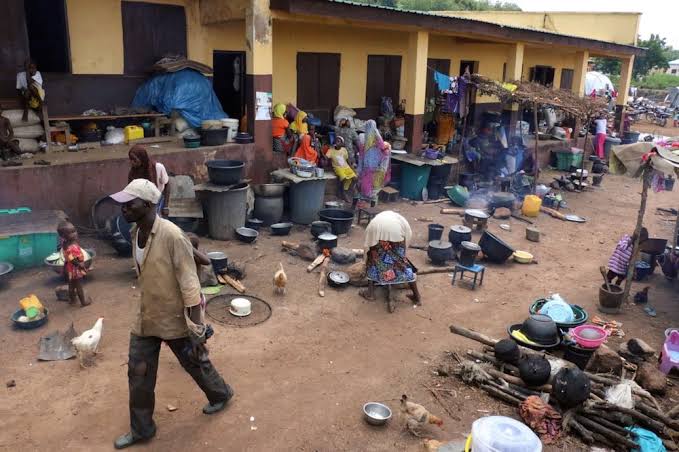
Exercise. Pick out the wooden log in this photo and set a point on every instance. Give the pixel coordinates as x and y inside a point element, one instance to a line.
<point>669,444</point>
<point>452,211</point>
<point>226,279</point>
<point>646,175</point>
<point>674,411</point>
<point>517,381</point>
<point>500,395</point>
<point>594,417</point>
<point>473,335</point>
<point>318,261</point>
<point>598,428</point>
<point>653,413</point>
<point>553,213</point>
<point>585,434</point>
<point>520,218</point>
<point>431,270</point>
<point>657,426</point>
<point>323,278</point>
<point>509,391</point>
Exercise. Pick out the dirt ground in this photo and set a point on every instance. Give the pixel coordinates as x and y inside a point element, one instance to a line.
<point>648,127</point>
<point>304,374</point>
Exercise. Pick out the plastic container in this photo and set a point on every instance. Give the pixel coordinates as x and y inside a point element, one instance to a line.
<point>459,195</point>
<point>213,137</point>
<point>531,206</point>
<point>503,434</point>
<point>306,200</point>
<point>132,133</point>
<point>589,336</point>
<point>566,159</point>
<point>27,250</point>
<point>226,211</point>
<point>435,232</point>
<point>29,302</point>
<point>232,125</point>
<point>609,143</point>
<point>414,180</point>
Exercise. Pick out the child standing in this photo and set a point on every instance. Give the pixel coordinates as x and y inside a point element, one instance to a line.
<point>342,164</point>
<point>622,255</point>
<point>206,274</point>
<point>74,263</point>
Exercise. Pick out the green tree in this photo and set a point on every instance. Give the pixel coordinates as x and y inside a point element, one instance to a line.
<point>655,56</point>
<point>608,66</point>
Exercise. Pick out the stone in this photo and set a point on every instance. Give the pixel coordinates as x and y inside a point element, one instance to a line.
<point>343,256</point>
<point>605,360</point>
<point>651,379</point>
<point>502,213</point>
<point>641,348</point>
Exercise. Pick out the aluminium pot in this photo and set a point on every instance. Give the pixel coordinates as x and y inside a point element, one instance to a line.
<point>327,241</point>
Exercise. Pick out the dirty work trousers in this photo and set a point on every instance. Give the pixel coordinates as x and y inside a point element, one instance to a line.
<point>142,371</point>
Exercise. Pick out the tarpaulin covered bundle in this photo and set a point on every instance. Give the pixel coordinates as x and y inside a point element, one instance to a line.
<point>187,91</point>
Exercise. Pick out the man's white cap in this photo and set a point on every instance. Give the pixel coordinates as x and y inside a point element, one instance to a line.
<point>139,188</point>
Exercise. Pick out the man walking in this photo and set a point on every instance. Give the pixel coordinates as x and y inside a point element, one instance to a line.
<point>170,310</point>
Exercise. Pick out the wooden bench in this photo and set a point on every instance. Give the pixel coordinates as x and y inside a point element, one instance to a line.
<point>366,213</point>
<point>389,194</point>
<point>159,120</point>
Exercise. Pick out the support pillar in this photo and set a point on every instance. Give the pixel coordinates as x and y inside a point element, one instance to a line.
<point>623,90</point>
<point>258,79</point>
<point>580,72</point>
<point>416,83</point>
<point>513,73</point>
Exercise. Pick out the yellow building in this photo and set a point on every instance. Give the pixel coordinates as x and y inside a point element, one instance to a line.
<point>316,54</point>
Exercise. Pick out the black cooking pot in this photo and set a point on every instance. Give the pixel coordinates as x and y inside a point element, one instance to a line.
<point>571,387</point>
<point>327,241</point>
<point>340,219</point>
<point>225,172</point>
<point>439,252</point>
<point>459,234</point>
<point>281,228</point>
<point>254,223</point>
<point>495,249</point>
<point>534,370</point>
<point>219,261</point>
<point>507,351</point>
<point>502,199</point>
<point>319,227</point>
<point>468,253</point>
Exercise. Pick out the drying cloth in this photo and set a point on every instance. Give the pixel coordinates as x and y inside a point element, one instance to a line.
<point>647,440</point>
<point>57,346</point>
<point>442,81</point>
<point>387,226</point>
<point>542,418</point>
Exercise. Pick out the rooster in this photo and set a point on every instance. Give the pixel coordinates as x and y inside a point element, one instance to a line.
<point>87,343</point>
<point>280,280</point>
<point>417,416</point>
<point>641,297</point>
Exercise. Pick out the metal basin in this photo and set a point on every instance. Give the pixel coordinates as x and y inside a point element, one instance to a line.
<point>376,413</point>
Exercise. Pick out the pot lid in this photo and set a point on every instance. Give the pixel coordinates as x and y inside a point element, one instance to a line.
<point>339,277</point>
<point>477,213</point>
<point>460,229</point>
<point>440,244</point>
<point>470,246</point>
<point>327,236</point>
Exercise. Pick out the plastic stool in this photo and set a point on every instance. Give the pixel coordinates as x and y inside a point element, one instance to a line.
<point>476,269</point>
<point>669,357</point>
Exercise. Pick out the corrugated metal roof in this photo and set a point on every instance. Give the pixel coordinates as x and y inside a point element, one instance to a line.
<point>447,16</point>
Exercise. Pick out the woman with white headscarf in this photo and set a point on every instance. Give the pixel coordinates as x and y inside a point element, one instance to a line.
<point>386,241</point>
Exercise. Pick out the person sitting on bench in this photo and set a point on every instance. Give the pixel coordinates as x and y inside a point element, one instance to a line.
<point>9,146</point>
<point>29,86</point>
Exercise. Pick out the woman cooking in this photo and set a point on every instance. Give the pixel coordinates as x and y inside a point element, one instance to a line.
<point>374,169</point>
<point>143,167</point>
<point>386,241</point>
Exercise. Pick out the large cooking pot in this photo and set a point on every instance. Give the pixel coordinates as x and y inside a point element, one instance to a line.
<point>319,227</point>
<point>571,387</point>
<point>327,241</point>
<point>439,252</point>
<point>495,249</point>
<point>225,172</point>
<point>269,190</point>
<point>340,219</point>
<point>459,234</point>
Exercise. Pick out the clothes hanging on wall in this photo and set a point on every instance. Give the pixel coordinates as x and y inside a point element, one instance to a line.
<point>442,81</point>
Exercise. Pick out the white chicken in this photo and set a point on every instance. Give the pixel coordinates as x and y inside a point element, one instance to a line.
<point>87,343</point>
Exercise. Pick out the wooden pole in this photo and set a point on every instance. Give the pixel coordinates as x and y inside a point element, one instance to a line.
<point>646,178</point>
<point>674,237</point>
<point>584,150</point>
<point>536,170</point>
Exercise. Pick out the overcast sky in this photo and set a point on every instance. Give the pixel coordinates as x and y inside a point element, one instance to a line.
<point>658,16</point>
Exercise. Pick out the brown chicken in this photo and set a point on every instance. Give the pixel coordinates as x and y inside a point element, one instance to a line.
<point>280,280</point>
<point>417,416</point>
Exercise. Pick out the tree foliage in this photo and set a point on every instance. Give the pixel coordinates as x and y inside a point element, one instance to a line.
<point>446,5</point>
<point>658,81</point>
<point>657,55</point>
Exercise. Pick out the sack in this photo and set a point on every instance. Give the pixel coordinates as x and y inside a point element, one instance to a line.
<point>14,117</point>
<point>33,131</point>
<point>28,145</point>
<point>114,136</point>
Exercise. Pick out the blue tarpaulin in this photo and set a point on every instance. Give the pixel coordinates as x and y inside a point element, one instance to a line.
<point>187,91</point>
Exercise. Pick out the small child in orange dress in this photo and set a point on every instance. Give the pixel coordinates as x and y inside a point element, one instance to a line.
<point>74,263</point>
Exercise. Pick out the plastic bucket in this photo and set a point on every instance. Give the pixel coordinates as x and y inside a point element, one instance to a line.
<point>232,124</point>
<point>435,232</point>
<point>414,180</point>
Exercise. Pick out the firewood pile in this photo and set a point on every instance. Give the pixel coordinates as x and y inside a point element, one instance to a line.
<point>595,417</point>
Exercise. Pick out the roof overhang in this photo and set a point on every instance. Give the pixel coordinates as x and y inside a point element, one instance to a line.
<point>368,14</point>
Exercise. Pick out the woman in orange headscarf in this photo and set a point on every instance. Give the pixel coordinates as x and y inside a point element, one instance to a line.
<point>305,150</point>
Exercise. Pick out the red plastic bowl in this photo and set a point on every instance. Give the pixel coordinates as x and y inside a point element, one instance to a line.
<point>589,336</point>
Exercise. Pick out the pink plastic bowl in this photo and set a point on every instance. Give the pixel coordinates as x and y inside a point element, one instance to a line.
<point>589,336</point>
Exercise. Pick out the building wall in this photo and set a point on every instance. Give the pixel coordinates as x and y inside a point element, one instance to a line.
<point>621,28</point>
<point>558,59</point>
<point>354,44</point>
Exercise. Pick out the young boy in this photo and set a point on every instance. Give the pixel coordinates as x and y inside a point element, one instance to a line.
<point>74,263</point>
<point>620,259</point>
<point>342,163</point>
